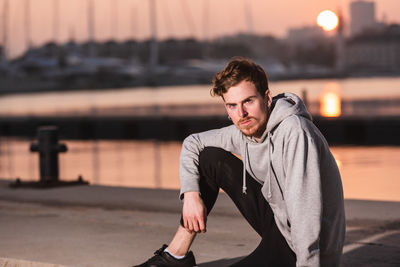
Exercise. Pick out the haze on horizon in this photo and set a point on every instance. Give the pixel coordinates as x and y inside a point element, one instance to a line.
<point>129,19</point>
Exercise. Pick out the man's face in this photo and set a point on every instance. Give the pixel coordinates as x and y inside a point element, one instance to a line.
<point>247,108</point>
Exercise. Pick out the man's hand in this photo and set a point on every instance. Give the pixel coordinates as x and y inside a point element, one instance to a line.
<point>194,213</point>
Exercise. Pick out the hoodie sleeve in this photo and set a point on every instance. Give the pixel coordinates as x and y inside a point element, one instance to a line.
<point>303,196</point>
<point>227,138</point>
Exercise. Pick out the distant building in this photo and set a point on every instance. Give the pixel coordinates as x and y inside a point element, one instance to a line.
<point>374,51</point>
<point>304,36</point>
<point>362,16</point>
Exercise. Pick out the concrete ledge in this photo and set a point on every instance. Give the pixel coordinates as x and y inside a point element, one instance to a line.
<point>103,226</point>
<point>6,262</point>
<point>163,200</point>
<point>121,198</point>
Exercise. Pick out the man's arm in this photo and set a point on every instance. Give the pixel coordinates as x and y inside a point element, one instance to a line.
<point>194,212</point>
<point>303,197</point>
<point>227,138</point>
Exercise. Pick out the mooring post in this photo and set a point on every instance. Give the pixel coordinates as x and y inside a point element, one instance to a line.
<point>48,148</point>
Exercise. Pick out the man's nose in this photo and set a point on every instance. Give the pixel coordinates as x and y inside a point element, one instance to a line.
<point>242,112</point>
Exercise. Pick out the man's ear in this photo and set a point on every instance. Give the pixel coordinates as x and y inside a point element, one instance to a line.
<point>268,98</point>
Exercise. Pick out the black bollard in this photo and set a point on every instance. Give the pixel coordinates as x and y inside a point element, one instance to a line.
<point>48,148</point>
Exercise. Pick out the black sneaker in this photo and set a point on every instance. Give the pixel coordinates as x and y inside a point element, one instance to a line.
<point>164,259</point>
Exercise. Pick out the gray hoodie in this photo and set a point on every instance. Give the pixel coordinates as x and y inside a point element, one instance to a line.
<point>299,178</point>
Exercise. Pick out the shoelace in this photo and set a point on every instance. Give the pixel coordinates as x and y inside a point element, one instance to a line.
<point>159,251</point>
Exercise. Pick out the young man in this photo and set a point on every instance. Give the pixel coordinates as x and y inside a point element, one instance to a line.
<point>286,184</point>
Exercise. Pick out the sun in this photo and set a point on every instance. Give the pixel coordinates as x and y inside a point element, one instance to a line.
<point>328,20</point>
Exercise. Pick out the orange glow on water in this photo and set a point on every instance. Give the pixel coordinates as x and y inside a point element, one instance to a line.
<point>328,20</point>
<point>330,105</point>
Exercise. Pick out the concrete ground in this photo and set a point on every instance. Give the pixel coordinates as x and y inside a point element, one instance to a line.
<point>110,226</point>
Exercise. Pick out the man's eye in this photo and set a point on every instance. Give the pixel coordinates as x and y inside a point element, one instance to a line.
<point>248,100</point>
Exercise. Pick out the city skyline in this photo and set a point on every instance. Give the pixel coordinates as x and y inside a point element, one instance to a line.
<point>60,20</point>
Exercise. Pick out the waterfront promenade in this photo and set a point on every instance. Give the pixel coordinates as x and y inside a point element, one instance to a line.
<point>115,226</point>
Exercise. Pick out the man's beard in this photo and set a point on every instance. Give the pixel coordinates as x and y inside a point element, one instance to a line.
<point>255,129</point>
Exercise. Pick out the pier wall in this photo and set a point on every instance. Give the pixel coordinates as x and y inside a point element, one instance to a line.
<point>338,131</point>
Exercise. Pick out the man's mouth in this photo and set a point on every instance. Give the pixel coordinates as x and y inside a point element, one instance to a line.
<point>245,122</point>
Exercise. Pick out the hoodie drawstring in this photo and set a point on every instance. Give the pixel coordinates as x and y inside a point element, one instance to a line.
<point>270,165</point>
<point>244,188</point>
<point>245,159</point>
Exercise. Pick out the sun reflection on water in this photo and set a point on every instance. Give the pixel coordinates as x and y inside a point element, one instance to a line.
<point>330,101</point>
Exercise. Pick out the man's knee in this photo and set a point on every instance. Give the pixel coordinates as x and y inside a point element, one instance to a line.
<point>213,156</point>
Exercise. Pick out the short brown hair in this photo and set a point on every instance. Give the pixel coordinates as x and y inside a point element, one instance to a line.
<point>237,70</point>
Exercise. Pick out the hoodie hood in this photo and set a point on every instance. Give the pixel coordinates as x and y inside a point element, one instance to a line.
<point>283,106</point>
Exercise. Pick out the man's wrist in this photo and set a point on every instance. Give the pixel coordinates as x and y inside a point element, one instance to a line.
<point>191,194</point>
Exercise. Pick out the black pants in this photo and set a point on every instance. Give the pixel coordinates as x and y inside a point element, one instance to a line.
<point>220,169</point>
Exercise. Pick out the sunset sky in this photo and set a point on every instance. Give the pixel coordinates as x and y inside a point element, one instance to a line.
<point>175,18</point>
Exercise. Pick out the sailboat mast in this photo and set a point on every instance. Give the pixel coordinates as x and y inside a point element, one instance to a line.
<point>114,19</point>
<point>206,19</point>
<point>56,17</point>
<point>249,17</point>
<point>153,38</point>
<point>28,40</point>
<point>134,22</point>
<point>340,44</point>
<point>206,24</point>
<point>91,29</point>
<point>3,57</point>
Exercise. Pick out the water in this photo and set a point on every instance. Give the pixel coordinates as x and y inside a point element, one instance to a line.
<point>367,172</point>
<point>108,101</point>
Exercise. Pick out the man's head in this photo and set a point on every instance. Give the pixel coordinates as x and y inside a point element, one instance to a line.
<point>237,70</point>
<point>243,85</point>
